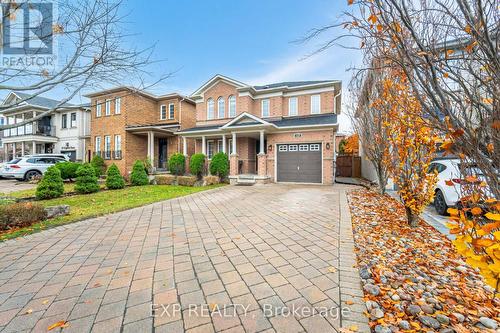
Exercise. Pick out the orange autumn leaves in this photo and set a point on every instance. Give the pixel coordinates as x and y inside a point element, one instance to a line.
<point>411,144</point>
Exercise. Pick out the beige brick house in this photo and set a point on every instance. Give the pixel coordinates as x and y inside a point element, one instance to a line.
<point>282,132</point>
<point>129,125</point>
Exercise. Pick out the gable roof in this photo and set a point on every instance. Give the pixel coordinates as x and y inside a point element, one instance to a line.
<point>254,120</point>
<point>218,77</point>
<point>40,101</point>
<point>290,84</point>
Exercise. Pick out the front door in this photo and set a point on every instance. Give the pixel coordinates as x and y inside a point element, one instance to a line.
<point>162,153</point>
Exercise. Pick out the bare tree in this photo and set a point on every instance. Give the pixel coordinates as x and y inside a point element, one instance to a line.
<point>94,52</point>
<point>449,50</point>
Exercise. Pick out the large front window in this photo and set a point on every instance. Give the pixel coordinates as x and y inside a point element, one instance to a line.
<point>232,106</point>
<point>210,109</point>
<point>265,108</point>
<point>221,108</point>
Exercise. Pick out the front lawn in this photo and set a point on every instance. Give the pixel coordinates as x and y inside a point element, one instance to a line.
<point>104,202</point>
<point>68,187</point>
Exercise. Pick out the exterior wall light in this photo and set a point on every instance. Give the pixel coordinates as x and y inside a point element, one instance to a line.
<point>328,146</point>
<point>270,148</point>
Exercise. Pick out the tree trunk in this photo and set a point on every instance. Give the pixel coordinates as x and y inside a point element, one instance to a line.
<point>412,218</point>
<point>382,179</point>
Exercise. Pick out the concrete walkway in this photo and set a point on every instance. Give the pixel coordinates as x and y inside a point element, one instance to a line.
<point>236,259</point>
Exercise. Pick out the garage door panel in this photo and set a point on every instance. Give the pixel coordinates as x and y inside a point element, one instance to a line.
<point>302,164</point>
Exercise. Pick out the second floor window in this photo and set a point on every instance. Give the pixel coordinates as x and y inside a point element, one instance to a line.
<point>64,121</point>
<point>232,106</point>
<point>163,112</point>
<point>210,109</point>
<point>171,111</point>
<point>265,108</point>
<point>221,108</point>
<point>118,105</point>
<point>108,107</point>
<point>97,144</point>
<point>315,104</point>
<point>292,106</point>
<point>98,109</point>
<point>73,119</point>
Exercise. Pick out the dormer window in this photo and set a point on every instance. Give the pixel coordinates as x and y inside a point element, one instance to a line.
<point>232,106</point>
<point>210,109</point>
<point>221,107</point>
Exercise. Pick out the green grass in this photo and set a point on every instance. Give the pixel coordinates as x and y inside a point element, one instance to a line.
<point>105,202</point>
<point>68,187</point>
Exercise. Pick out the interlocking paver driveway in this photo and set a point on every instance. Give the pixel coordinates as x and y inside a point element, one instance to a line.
<point>254,249</point>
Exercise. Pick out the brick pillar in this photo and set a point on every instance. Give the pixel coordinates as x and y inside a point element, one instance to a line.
<point>233,165</point>
<point>262,164</point>
<point>186,158</point>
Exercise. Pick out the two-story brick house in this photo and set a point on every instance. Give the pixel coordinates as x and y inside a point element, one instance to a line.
<point>129,125</point>
<point>281,132</point>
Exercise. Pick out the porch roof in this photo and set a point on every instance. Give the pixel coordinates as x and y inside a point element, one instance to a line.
<point>321,120</point>
<point>171,128</point>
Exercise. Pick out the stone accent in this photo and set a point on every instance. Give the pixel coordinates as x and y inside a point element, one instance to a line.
<point>54,211</point>
<point>233,165</point>
<point>262,164</point>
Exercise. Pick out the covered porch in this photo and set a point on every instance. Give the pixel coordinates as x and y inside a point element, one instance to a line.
<point>17,147</point>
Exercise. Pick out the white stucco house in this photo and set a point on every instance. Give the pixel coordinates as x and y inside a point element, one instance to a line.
<point>63,131</point>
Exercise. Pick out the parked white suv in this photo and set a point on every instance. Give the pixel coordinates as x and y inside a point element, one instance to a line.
<point>29,167</point>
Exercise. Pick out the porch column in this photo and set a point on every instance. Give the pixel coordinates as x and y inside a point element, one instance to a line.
<point>14,150</point>
<point>203,145</point>
<point>22,148</point>
<point>184,146</point>
<point>33,147</point>
<point>233,159</point>
<point>261,158</point>
<point>224,143</point>
<point>261,151</point>
<point>152,151</point>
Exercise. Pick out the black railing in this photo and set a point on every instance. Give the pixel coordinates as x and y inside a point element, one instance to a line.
<point>117,155</point>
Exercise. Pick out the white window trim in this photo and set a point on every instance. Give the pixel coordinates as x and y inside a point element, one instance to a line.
<point>268,108</point>
<point>71,121</point>
<point>107,109</point>
<point>116,141</point>
<point>208,150</point>
<point>208,109</point>
<point>64,116</point>
<point>231,115</point>
<point>171,115</point>
<point>97,146</point>
<point>230,146</point>
<point>290,106</point>
<point>319,104</point>
<point>118,105</point>
<point>219,100</point>
<point>98,109</point>
<point>161,112</point>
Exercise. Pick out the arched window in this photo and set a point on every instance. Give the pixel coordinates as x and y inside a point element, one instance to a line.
<point>210,109</point>
<point>221,108</point>
<point>232,106</point>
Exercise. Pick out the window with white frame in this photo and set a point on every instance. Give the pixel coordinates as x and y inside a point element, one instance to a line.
<point>219,146</point>
<point>97,148</point>
<point>171,111</point>
<point>221,108</point>
<point>232,106</point>
<point>98,109</point>
<point>282,148</point>
<point>210,148</point>
<point>210,108</point>
<point>292,148</point>
<point>314,147</point>
<point>315,104</point>
<point>163,112</point>
<point>73,119</point>
<point>293,106</point>
<point>64,121</point>
<point>265,108</point>
<point>118,146</point>
<point>230,144</point>
<point>108,108</point>
<point>107,147</point>
<point>118,105</point>
<point>303,147</point>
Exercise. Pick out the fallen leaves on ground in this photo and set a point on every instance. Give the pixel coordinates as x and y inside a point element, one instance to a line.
<point>61,324</point>
<point>413,279</point>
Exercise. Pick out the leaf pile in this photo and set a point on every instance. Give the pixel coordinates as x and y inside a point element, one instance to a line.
<point>413,279</point>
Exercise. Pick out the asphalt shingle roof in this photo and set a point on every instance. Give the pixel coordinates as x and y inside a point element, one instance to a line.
<point>41,101</point>
<point>289,84</point>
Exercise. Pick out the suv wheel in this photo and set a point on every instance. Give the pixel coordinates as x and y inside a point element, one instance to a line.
<point>32,174</point>
<point>440,203</point>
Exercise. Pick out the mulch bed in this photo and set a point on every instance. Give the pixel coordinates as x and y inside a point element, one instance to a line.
<point>413,279</point>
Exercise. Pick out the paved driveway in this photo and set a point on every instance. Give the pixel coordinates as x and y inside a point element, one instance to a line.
<point>238,259</point>
<point>12,185</point>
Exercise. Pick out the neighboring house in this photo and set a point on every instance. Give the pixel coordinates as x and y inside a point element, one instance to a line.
<point>2,146</point>
<point>129,125</point>
<point>62,131</point>
<point>281,132</point>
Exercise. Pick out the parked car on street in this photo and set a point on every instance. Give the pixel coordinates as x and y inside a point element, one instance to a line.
<point>447,195</point>
<point>29,167</point>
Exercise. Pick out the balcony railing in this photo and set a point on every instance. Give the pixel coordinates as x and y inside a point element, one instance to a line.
<point>30,129</point>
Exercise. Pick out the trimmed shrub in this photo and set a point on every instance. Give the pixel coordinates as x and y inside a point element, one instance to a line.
<point>177,164</point>
<point>98,164</point>
<point>197,165</point>
<point>210,180</point>
<point>165,179</point>
<point>139,177</point>
<point>219,166</point>
<point>186,180</point>
<point>86,179</point>
<point>68,169</point>
<point>23,214</point>
<point>114,179</point>
<point>51,185</point>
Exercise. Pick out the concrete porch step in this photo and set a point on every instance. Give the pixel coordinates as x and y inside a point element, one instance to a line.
<point>247,180</point>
